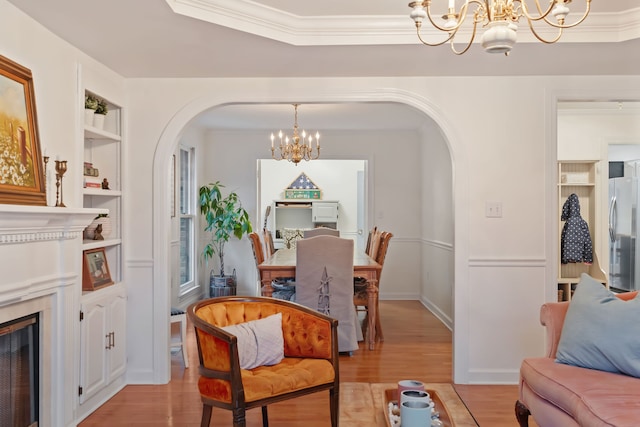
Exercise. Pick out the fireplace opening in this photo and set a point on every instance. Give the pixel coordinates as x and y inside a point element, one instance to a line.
<point>19,372</point>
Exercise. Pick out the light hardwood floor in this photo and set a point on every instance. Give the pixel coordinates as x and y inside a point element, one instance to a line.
<point>416,346</point>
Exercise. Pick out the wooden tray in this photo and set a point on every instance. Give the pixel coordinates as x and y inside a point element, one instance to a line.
<point>391,395</point>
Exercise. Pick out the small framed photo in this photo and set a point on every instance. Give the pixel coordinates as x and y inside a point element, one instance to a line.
<point>95,270</point>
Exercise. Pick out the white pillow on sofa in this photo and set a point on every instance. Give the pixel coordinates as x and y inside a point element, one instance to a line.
<point>600,330</point>
<point>260,342</point>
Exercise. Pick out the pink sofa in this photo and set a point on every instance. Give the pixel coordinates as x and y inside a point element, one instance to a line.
<point>559,395</point>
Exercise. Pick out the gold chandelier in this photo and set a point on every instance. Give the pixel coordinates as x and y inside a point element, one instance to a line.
<point>295,148</point>
<point>499,17</point>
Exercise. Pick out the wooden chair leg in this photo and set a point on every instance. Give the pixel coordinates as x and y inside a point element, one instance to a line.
<point>379,335</point>
<point>365,326</point>
<point>206,415</point>
<point>522,414</point>
<point>334,404</point>
<point>265,417</point>
<point>239,419</point>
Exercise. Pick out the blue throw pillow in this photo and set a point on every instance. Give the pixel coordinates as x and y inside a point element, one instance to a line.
<point>601,331</point>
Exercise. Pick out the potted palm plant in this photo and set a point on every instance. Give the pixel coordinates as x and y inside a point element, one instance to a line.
<point>225,217</point>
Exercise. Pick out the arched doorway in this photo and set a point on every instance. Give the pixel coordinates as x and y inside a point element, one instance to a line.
<point>165,148</point>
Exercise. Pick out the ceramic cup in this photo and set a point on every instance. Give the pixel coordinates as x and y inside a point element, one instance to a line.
<point>415,395</point>
<point>414,413</point>
<point>409,385</point>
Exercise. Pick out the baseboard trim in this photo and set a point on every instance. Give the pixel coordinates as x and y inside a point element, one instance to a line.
<point>446,320</point>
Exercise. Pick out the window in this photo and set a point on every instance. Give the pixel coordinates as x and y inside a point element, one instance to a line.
<point>187,220</point>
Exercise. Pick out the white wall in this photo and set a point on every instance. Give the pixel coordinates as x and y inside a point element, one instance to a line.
<point>501,132</point>
<point>504,152</point>
<point>437,225</point>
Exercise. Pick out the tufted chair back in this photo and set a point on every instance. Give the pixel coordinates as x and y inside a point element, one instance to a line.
<point>310,347</point>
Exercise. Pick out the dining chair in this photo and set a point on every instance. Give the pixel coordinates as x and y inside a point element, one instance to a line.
<point>321,231</point>
<point>369,238</point>
<point>256,246</point>
<point>373,238</point>
<point>283,288</point>
<point>324,282</point>
<point>375,243</point>
<point>361,299</point>
<point>269,247</point>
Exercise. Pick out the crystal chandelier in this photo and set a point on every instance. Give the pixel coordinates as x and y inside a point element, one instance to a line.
<point>499,17</point>
<point>297,147</point>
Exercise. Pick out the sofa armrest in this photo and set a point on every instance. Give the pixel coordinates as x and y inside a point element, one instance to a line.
<point>552,316</point>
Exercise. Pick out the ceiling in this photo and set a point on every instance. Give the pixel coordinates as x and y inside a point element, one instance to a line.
<point>332,38</point>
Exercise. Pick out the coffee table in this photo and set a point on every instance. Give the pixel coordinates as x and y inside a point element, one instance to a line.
<point>364,404</point>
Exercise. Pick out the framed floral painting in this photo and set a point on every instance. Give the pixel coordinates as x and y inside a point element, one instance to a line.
<point>21,168</point>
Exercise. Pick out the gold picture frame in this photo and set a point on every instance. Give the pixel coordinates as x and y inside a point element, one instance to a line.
<point>21,168</point>
<point>95,270</point>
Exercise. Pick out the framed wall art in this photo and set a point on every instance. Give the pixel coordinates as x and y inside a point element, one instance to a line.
<point>21,168</point>
<point>95,270</point>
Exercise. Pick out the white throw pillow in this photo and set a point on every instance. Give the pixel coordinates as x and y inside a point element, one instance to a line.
<point>260,342</point>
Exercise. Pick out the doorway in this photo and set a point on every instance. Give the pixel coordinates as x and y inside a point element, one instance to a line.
<point>431,167</point>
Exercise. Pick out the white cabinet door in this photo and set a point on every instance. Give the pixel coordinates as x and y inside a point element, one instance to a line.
<point>325,212</point>
<point>117,354</point>
<point>103,341</point>
<point>93,357</point>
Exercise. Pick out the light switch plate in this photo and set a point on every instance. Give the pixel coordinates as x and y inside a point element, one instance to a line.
<point>493,209</point>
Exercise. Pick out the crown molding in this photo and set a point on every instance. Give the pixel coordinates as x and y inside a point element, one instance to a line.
<point>264,21</point>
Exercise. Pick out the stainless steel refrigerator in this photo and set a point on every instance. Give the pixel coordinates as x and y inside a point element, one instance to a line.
<point>624,219</point>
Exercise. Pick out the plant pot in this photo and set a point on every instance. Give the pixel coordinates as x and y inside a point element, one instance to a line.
<point>90,231</point>
<point>222,286</point>
<point>88,116</point>
<point>98,121</point>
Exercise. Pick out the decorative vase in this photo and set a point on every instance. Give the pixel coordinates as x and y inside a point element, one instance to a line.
<point>88,116</point>
<point>98,121</point>
<point>90,231</point>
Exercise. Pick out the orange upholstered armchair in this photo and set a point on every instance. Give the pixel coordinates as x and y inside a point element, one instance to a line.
<point>309,365</point>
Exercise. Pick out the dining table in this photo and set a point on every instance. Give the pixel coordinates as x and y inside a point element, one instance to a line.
<point>282,263</point>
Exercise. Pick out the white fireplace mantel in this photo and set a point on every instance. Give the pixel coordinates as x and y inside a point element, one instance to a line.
<point>40,257</point>
<point>21,224</point>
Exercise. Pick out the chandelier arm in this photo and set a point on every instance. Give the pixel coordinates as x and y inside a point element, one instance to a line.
<point>462,16</point>
<point>451,35</point>
<point>473,36</point>
<point>573,24</point>
<point>525,12</point>
<point>545,17</point>
<point>452,31</point>
<point>540,37</point>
